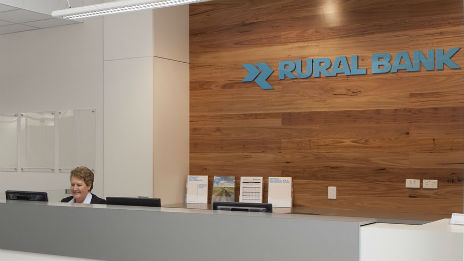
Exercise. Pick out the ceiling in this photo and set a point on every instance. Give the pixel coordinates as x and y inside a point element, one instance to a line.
<point>14,19</point>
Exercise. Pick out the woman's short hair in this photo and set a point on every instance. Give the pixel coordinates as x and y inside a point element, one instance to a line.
<point>83,173</point>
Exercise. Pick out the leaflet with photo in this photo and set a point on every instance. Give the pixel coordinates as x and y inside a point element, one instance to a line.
<point>223,189</point>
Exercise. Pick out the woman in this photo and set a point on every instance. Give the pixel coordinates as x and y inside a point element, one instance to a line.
<point>81,185</point>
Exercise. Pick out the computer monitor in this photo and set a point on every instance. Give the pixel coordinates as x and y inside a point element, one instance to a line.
<point>144,202</point>
<point>248,207</point>
<point>26,195</point>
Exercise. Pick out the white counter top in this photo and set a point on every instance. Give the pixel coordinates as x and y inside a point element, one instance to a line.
<point>433,241</point>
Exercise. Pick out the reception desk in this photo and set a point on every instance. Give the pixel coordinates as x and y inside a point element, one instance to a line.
<point>433,241</point>
<point>139,233</point>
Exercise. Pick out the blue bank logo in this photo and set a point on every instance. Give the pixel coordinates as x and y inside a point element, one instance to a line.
<point>254,74</point>
<point>433,60</point>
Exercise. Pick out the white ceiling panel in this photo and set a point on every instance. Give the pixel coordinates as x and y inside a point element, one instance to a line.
<point>4,8</point>
<point>22,16</point>
<point>49,23</point>
<point>2,23</point>
<point>17,19</point>
<point>8,29</point>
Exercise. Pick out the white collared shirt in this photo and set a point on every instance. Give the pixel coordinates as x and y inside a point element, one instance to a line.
<point>87,199</point>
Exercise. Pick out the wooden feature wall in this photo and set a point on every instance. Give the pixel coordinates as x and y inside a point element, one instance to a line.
<point>363,134</point>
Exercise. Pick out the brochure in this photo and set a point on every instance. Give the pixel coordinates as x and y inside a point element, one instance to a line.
<point>280,192</point>
<point>223,189</point>
<point>197,189</point>
<point>251,189</point>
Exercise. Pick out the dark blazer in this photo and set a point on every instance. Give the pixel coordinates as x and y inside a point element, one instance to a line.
<point>95,199</point>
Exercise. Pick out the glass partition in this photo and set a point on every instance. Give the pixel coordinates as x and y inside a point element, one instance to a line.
<point>77,139</point>
<point>37,135</point>
<point>8,142</point>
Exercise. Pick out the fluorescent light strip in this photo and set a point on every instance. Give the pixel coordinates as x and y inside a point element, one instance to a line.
<point>118,7</point>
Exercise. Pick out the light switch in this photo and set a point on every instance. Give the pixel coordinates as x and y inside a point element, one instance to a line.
<point>413,183</point>
<point>430,183</point>
<point>332,192</point>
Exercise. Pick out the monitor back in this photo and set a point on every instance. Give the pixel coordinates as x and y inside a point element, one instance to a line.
<point>26,195</point>
<point>127,201</point>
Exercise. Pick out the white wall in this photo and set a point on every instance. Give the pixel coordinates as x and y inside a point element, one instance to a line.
<point>128,103</point>
<point>171,103</point>
<point>119,65</point>
<point>52,69</point>
<point>171,33</point>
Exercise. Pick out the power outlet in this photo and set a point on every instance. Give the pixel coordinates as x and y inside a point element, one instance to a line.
<point>412,183</point>
<point>332,192</point>
<point>430,183</point>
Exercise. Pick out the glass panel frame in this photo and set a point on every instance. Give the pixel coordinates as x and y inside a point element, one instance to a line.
<point>37,141</point>
<point>77,139</point>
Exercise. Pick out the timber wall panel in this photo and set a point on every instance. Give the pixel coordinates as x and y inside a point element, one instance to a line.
<point>364,134</point>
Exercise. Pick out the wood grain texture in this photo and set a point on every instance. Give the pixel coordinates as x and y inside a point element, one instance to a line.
<point>364,134</point>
